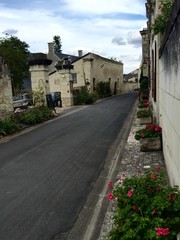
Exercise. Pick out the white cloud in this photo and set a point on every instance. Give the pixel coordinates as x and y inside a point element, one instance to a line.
<point>81,25</point>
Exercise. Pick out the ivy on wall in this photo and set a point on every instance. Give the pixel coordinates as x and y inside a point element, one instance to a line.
<point>161,20</point>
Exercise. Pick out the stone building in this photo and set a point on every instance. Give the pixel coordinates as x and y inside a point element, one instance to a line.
<point>165,85</point>
<point>59,72</point>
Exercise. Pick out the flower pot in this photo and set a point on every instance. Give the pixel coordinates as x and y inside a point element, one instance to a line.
<point>150,144</point>
<point>145,120</point>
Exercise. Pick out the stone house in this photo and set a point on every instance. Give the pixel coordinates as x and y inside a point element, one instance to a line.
<point>58,72</point>
<point>164,52</point>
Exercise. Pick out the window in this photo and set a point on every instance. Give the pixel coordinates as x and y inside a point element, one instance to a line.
<point>74,77</point>
<point>154,63</point>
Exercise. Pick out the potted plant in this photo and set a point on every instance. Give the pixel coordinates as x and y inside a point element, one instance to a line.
<point>144,116</point>
<point>149,137</point>
<point>146,207</point>
<point>143,103</point>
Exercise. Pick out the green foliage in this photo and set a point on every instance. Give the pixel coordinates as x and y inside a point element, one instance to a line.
<point>35,115</point>
<point>8,126</point>
<point>84,97</point>
<point>15,53</point>
<point>143,103</point>
<point>103,89</point>
<point>57,43</point>
<point>150,131</point>
<point>161,20</point>
<point>143,113</point>
<point>146,208</point>
<point>143,83</point>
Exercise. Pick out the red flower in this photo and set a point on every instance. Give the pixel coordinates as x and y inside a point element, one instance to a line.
<point>162,231</point>
<point>110,196</point>
<point>154,211</point>
<point>153,175</point>
<point>142,135</point>
<point>171,196</point>
<point>158,168</point>
<point>130,193</point>
<point>134,208</point>
<point>110,185</point>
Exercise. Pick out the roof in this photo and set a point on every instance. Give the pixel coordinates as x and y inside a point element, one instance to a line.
<point>63,55</point>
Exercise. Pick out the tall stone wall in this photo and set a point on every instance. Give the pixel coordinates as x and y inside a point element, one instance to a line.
<point>169,86</point>
<point>6,106</point>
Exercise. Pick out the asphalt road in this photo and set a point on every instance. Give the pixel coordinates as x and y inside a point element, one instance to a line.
<point>46,174</point>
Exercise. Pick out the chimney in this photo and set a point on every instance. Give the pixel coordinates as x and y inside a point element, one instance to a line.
<point>51,47</point>
<point>80,53</point>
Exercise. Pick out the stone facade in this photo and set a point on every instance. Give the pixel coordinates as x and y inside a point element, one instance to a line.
<point>165,85</point>
<point>6,106</point>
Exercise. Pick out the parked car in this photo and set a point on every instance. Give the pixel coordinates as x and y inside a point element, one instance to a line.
<point>56,98</point>
<point>22,101</point>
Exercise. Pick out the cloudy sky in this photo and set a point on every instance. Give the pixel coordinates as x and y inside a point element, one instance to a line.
<point>109,28</point>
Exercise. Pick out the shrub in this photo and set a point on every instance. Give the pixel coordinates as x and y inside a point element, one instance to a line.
<point>146,208</point>
<point>84,97</point>
<point>103,89</point>
<point>35,115</point>
<point>8,126</point>
<point>150,131</point>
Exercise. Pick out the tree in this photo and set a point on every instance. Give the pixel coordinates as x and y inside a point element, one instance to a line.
<point>15,53</point>
<point>57,43</point>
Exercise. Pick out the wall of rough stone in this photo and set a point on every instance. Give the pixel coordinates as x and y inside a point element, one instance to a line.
<point>6,106</point>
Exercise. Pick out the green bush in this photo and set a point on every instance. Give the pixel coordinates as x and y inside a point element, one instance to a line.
<point>84,97</point>
<point>146,207</point>
<point>103,89</point>
<point>35,115</point>
<point>8,126</point>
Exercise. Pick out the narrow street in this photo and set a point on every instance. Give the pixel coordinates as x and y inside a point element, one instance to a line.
<point>46,174</point>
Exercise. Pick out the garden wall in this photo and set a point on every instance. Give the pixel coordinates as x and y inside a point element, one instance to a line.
<point>6,106</point>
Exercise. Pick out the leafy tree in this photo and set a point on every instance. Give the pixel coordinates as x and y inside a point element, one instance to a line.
<point>15,53</point>
<point>57,43</point>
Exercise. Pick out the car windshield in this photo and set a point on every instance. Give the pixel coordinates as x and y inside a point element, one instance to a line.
<point>16,98</point>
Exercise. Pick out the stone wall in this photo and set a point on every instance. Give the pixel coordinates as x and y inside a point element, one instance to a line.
<point>169,87</point>
<point>6,106</point>
<point>128,87</point>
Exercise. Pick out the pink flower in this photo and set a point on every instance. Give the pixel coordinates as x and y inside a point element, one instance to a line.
<point>162,231</point>
<point>122,178</point>
<point>110,196</point>
<point>158,168</point>
<point>110,185</point>
<point>130,193</point>
<point>153,175</point>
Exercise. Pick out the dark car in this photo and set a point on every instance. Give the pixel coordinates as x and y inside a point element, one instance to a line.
<point>56,98</point>
<point>22,101</point>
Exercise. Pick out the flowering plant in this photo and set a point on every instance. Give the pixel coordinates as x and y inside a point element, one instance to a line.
<point>146,208</point>
<point>143,103</point>
<point>143,113</point>
<point>161,20</point>
<point>150,131</point>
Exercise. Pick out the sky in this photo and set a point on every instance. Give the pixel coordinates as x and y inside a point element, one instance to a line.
<point>109,28</point>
